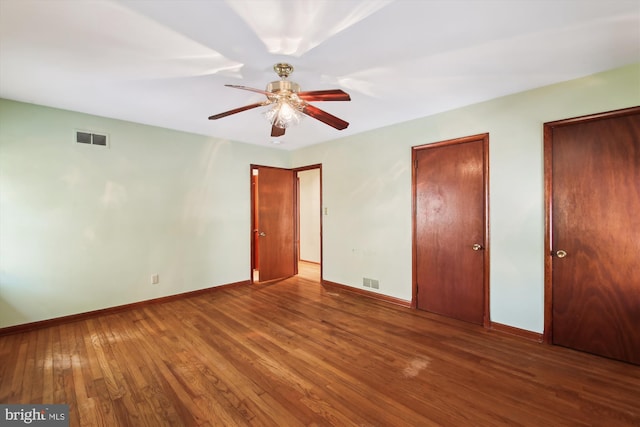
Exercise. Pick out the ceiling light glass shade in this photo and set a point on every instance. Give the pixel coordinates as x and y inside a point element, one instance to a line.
<point>283,115</point>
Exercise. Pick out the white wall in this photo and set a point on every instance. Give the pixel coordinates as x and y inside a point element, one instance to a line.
<point>367,190</point>
<point>309,215</point>
<point>83,227</point>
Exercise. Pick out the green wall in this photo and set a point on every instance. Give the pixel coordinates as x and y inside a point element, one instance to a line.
<point>367,190</point>
<point>83,228</point>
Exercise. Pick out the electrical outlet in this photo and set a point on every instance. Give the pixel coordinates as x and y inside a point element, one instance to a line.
<point>155,279</point>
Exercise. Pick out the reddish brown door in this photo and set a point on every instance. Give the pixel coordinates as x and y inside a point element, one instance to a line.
<point>594,247</point>
<point>450,227</point>
<point>276,223</point>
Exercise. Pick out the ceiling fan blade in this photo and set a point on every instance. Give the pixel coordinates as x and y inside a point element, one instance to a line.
<point>237,110</point>
<point>324,117</point>
<point>264,92</point>
<point>276,131</point>
<point>324,95</point>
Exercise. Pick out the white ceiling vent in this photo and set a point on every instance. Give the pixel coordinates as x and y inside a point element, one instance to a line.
<point>92,138</point>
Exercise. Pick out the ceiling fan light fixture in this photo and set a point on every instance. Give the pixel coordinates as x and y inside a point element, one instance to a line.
<point>286,106</point>
<point>283,115</point>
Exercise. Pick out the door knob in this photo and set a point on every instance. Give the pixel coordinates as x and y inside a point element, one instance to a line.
<point>477,247</point>
<point>561,254</point>
<point>262,234</point>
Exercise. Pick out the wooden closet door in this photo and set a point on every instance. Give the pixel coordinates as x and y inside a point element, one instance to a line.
<point>450,228</point>
<point>594,241</point>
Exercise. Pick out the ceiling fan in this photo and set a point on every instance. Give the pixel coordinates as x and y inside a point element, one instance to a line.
<point>288,103</point>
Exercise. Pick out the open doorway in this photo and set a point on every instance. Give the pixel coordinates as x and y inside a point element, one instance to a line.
<point>286,220</point>
<point>309,223</point>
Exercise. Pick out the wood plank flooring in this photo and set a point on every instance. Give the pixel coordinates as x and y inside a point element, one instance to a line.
<point>293,353</point>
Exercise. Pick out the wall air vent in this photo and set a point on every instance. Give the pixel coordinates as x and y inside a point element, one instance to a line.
<point>91,138</point>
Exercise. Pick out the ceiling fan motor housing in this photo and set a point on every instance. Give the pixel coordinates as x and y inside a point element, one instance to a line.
<point>283,86</point>
<point>285,91</point>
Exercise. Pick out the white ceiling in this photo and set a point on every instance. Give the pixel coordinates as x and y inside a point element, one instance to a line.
<point>165,62</point>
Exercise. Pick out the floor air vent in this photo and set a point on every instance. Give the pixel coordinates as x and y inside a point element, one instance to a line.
<point>90,138</point>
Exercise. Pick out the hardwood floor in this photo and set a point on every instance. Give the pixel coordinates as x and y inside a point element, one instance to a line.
<point>294,353</point>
